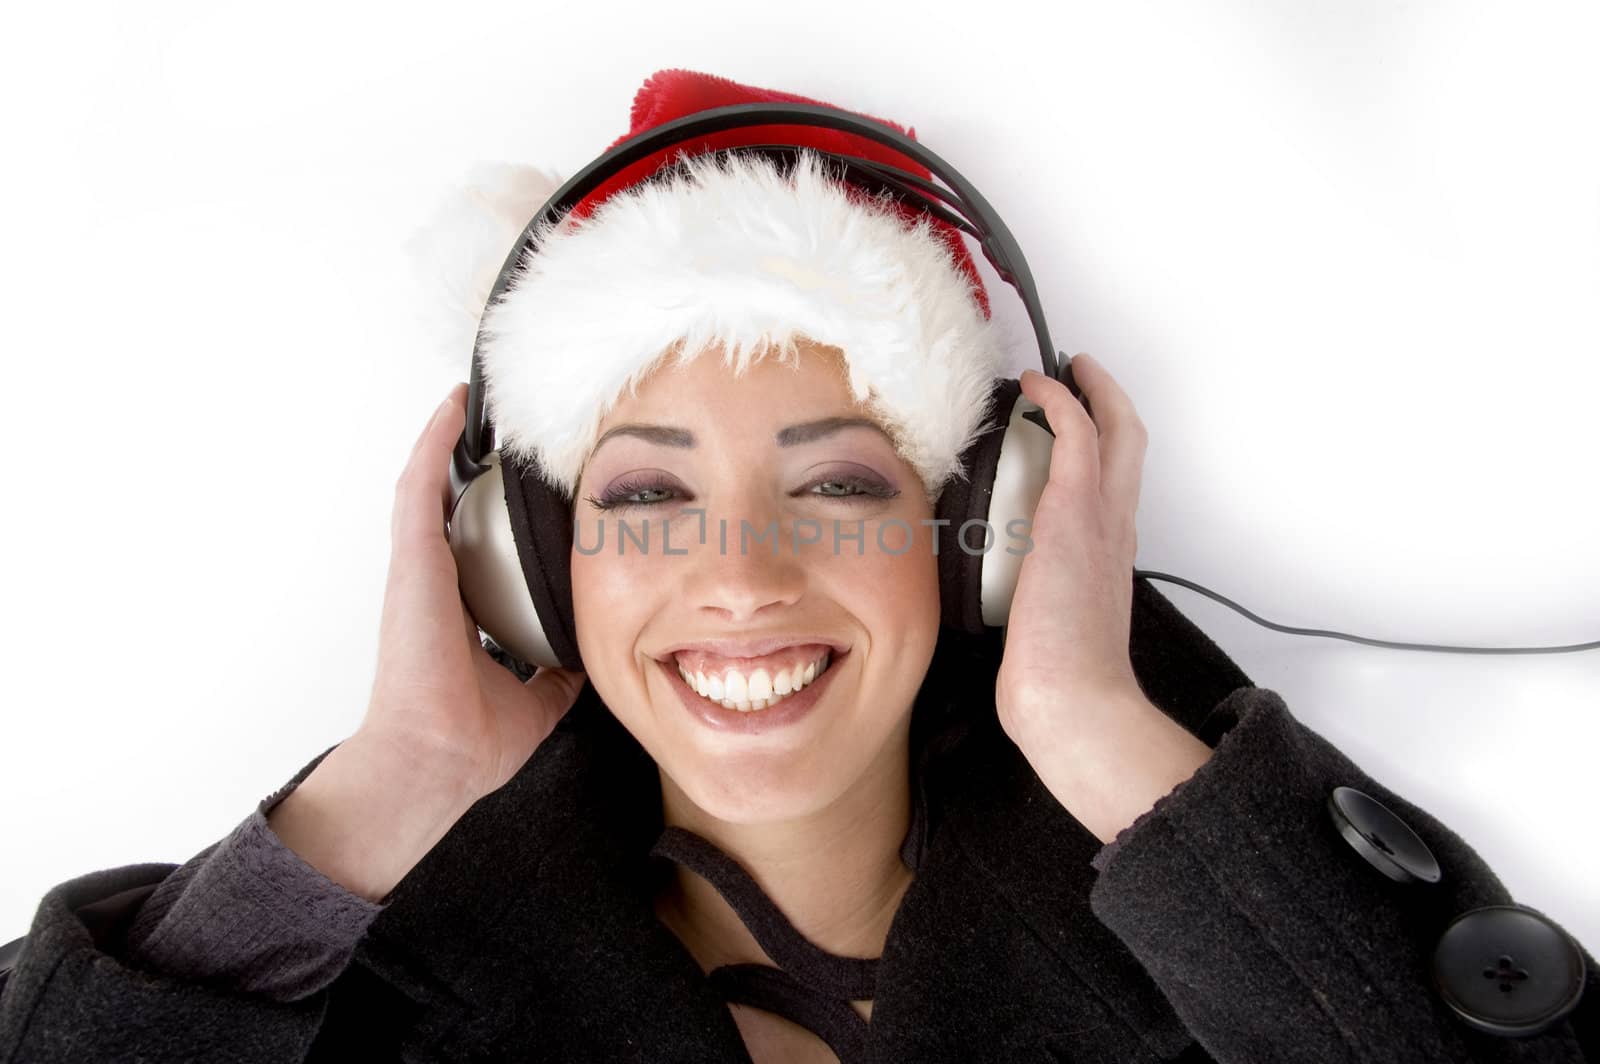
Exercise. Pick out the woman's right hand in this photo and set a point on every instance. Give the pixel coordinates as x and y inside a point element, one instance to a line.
<point>446,724</point>
<point>438,694</point>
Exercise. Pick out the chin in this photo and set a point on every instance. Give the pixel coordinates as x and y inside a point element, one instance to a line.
<point>754,787</point>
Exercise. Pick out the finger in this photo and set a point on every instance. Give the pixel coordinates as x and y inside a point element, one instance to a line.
<point>1117,437</point>
<point>423,437</point>
<point>569,680</point>
<point>1075,454</point>
<point>1123,437</point>
<point>422,602</point>
<point>452,433</point>
<point>470,625</point>
<point>423,489</point>
<point>556,687</point>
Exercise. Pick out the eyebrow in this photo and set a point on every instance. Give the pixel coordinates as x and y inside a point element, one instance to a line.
<point>792,436</point>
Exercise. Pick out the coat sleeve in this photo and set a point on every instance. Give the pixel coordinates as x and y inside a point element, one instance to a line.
<point>226,958</point>
<point>1273,938</point>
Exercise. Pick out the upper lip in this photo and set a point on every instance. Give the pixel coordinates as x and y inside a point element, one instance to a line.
<point>752,648</point>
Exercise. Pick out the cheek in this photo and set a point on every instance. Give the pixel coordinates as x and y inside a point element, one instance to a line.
<point>610,602</point>
<point>891,578</point>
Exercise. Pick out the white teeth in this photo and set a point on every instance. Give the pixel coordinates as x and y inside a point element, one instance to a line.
<point>732,690</point>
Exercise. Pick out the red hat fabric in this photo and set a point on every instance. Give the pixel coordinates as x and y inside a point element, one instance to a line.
<point>668,95</point>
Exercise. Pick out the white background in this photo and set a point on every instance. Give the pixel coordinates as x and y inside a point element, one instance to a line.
<point>1343,256</point>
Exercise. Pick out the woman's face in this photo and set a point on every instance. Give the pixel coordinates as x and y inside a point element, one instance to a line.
<point>749,453</point>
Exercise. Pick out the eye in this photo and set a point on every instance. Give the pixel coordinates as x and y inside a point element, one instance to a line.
<point>836,487</point>
<point>842,487</point>
<point>631,494</point>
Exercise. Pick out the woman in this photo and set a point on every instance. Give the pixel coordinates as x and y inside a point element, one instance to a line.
<point>783,815</point>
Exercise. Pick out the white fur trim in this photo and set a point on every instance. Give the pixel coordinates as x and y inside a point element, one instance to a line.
<point>736,255</point>
<point>456,255</point>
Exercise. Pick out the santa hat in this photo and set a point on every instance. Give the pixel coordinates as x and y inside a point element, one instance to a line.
<point>725,253</point>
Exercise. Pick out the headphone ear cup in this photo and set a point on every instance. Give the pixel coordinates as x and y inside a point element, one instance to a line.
<point>1008,466</point>
<point>964,501</point>
<point>511,535</point>
<point>541,523</point>
<point>1021,472</point>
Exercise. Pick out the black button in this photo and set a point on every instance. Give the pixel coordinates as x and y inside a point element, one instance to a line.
<point>1508,970</point>
<point>1382,838</point>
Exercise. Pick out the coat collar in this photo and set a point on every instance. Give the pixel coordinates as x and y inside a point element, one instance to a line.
<point>531,919</point>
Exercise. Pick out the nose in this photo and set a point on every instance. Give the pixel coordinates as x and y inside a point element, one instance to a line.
<point>746,566</point>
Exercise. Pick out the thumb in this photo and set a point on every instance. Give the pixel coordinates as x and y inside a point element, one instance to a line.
<point>556,686</point>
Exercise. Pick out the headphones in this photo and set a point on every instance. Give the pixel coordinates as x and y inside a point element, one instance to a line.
<point>511,531</point>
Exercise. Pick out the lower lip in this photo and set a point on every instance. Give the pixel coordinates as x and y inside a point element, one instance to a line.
<point>756,721</point>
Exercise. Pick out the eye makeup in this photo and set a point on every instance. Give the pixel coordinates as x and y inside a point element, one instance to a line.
<point>849,488</point>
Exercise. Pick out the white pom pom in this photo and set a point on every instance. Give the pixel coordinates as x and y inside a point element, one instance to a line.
<point>456,255</point>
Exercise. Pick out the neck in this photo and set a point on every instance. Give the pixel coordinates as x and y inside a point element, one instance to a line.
<point>835,874</point>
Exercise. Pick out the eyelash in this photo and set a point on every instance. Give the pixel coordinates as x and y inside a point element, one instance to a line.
<point>615,499</point>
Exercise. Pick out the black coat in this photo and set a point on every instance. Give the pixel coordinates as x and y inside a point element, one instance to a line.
<point>1231,923</point>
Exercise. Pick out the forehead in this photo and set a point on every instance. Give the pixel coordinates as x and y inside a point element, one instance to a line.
<point>767,387</point>
<point>772,402</point>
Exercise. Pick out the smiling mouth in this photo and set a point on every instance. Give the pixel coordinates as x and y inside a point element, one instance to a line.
<point>751,691</point>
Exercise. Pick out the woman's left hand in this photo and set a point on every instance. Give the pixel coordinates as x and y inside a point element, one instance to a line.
<point>1066,692</point>
<point>1068,630</point>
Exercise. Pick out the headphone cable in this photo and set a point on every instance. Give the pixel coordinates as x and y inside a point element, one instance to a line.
<point>1152,575</point>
